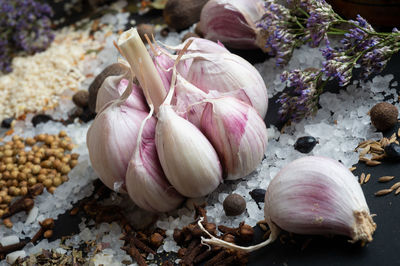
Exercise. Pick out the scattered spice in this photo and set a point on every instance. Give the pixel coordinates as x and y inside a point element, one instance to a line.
<point>234,205</point>
<point>305,144</point>
<point>384,116</point>
<point>383,179</point>
<point>258,195</point>
<point>367,178</point>
<point>383,192</point>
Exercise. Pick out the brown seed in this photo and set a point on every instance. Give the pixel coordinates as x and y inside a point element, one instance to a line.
<point>51,189</point>
<point>363,159</point>
<point>48,183</point>
<point>352,168</point>
<point>362,177</point>
<point>7,222</point>
<point>367,178</point>
<point>383,179</point>
<point>36,169</point>
<point>74,211</point>
<point>49,139</point>
<point>73,163</point>
<point>365,150</point>
<point>74,156</point>
<point>395,186</point>
<point>383,192</point>
<point>62,134</point>
<point>32,181</point>
<point>372,163</point>
<point>57,181</point>
<point>65,169</point>
<point>397,191</point>
<point>384,142</point>
<point>48,234</point>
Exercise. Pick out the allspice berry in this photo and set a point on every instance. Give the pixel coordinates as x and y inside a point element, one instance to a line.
<point>145,29</point>
<point>234,205</point>
<point>384,116</point>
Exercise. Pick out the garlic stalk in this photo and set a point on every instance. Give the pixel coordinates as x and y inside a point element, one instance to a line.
<point>238,134</point>
<point>145,180</point>
<point>111,140</point>
<point>225,72</point>
<point>314,195</point>
<point>232,22</point>
<point>135,52</point>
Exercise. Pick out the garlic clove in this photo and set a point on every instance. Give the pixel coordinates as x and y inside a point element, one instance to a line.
<point>225,73</point>
<point>146,183</point>
<point>111,140</point>
<point>218,16</point>
<point>200,45</point>
<point>238,134</point>
<point>318,195</point>
<point>113,87</point>
<point>188,159</point>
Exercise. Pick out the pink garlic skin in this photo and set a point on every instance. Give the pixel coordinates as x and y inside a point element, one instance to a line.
<point>226,73</point>
<point>163,63</point>
<point>218,16</point>
<point>318,195</point>
<point>238,134</point>
<point>146,183</point>
<point>200,45</point>
<point>111,140</point>
<point>113,87</point>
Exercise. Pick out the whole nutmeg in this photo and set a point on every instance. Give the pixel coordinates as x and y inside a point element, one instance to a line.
<point>234,205</point>
<point>384,116</point>
<point>81,98</point>
<point>181,14</point>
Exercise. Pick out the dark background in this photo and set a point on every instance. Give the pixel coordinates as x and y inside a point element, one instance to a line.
<point>292,250</point>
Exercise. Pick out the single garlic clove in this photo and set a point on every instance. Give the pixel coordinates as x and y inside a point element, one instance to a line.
<point>225,73</point>
<point>111,140</point>
<point>113,87</point>
<point>318,195</point>
<point>146,183</point>
<point>188,159</point>
<point>238,134</point>
<point>218,16</point>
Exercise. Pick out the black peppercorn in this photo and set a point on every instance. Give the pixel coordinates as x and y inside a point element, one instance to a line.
<point>393,151</point>
<point>258,195</point>
<point>305,144</point>
<point>6,123</point>
<point>234,205</point>
<point>40,118</point>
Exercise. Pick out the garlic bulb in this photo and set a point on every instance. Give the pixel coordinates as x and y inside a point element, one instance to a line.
<point>188,159</point>
<point>145,180</point>
<point>113,87</point>
<point>200,45</point>
<point>232,22</point>
<point>238,134</point>
<point>314,195</point>
<point>225,72</point>
<point>318,195</point>
<point>111,140</point>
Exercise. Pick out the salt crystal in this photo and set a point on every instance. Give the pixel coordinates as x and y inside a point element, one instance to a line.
<point>13,256</point>
<point>9,240</point>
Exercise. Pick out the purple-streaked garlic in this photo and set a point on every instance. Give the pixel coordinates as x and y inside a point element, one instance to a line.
<point>316,196</point>
<point>225,72</point>
<point>146,183</point>
<point>189,160</point>
<point>200,45</point>
<point>111,140</point>
<point>232,22</point>
<point>113,87</point>
<point>238,134</point>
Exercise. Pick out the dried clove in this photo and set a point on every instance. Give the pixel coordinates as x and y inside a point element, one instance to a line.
<point>45,225</point>
<point>23,204</point>
<point>4,250</point>
<point>135,254</point>
<point>156,240</point>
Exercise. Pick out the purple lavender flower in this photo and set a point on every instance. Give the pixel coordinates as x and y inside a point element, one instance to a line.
<point>276,24</point>
<point>24,28</point>
<point>301,102</point>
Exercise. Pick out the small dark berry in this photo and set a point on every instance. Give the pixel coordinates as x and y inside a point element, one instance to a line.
<point>40,118</point>
<point>81,98</point>
<point>258,195</point>
<point>234,205</point>
<point>6,123</point>
<point>305,144</point>
<point>145,29</point>
<point>384,116</point>
<point>393,151</point>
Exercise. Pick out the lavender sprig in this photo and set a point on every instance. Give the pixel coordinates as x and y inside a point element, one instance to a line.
<point>25,28</point>
<point>312,22</point>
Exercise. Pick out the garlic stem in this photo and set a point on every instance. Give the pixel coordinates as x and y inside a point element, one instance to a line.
<point>222,243</point>
<point>142,65</point>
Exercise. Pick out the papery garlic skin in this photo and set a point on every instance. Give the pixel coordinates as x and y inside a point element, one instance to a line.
<point>188,159</point>
<point>318,195</point>
<point>225,73</point>
<point>232,22</point>
<point>146,183</point>
<point>111,140</point>
<point>200,45</point>
<point>238,134</point>
<point>113,87</point>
